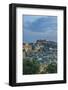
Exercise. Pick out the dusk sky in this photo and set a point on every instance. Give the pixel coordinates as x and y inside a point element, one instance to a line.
<point>39,27</point>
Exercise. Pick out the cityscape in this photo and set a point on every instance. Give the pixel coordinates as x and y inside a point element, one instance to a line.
<point>43,53</point>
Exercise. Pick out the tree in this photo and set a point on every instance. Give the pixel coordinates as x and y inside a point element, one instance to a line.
<point>52,68</point>
<point>30,66</point>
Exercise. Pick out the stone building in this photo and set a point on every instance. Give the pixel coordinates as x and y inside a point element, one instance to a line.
<point>27,47</point>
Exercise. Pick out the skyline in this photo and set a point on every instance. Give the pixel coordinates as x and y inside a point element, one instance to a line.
<point>39,28</point>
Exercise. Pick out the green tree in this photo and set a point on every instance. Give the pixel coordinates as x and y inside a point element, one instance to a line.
<point>52,68</point>
<point>30,66</point>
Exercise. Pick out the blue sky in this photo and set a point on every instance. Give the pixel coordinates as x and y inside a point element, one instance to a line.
<point>39,27</point>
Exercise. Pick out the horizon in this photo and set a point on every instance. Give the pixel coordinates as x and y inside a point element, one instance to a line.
<point>36,41</point>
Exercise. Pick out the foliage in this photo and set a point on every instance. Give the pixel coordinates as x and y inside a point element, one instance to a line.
<point>52,68</point>
<point>30,66</point>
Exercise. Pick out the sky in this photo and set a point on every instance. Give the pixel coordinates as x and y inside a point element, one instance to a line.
<point>39,28</point>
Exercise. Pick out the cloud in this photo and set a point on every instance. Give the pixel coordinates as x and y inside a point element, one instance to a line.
<point>33,36</point>
<point>41,24</point>
<point>43,27</point>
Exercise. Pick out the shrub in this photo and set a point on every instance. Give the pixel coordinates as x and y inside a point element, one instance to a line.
<point>30,66</point>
